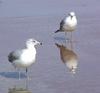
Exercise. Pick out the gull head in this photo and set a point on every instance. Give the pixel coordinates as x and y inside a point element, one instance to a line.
<point>32,42</point>
<point>71,14</point>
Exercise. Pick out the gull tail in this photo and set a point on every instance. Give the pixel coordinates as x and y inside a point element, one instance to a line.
<point>57,31</point>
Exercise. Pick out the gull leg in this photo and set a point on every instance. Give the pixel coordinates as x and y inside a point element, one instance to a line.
<point>19,74</point>
<point>26,83</point>
<point>18,71</point>
<point>71,37</point>
<point>26,70</point>
<point>27,74</point>
<point>66,36</point>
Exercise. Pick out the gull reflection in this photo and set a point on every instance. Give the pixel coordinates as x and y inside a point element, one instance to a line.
<point>68,56</point>
<point>20,89</point>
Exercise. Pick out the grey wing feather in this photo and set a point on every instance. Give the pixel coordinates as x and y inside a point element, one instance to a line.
<point>61,24</point>
<point>14,55</point>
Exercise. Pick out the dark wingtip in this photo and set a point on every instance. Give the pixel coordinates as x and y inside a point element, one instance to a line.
<point>10,57</point>
<point>57,31</point>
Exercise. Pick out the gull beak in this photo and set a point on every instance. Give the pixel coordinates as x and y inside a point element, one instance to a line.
<point>40,43</point>
<point>70,15</point>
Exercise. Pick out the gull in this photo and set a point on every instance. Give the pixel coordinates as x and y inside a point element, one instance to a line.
<point>23,58</point>
<point>68,57</point>
<point>68,24</point>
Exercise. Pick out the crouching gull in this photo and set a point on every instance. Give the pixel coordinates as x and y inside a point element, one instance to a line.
<point>24,58</point>
<point>68,24</point>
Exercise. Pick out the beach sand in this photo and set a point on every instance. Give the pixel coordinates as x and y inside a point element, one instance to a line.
<point>22,19</point>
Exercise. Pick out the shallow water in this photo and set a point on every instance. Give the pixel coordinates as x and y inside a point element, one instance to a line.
<point>22,19</point>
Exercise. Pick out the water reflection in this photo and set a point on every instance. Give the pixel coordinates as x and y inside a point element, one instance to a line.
<point>68,56</point>
<point>20,89</point>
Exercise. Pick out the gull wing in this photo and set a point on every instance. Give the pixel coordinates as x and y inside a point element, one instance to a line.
<point>14,55</point>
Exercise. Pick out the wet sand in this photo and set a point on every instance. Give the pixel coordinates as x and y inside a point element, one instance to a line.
<point>22,19</point>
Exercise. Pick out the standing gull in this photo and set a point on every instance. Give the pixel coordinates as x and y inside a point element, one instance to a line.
<point>68,24</point>
<point>24,58</point>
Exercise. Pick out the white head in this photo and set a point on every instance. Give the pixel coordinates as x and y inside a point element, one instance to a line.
<point>72,13</point>
<point>32,42</point>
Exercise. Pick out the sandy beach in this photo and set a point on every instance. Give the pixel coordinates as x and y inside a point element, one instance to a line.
<point>22,19</point>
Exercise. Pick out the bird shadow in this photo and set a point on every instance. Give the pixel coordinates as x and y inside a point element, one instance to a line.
<point>12,75</point>
<point>59,38</point>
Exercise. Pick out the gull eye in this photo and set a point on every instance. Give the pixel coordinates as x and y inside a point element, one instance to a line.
<point>34,41</point>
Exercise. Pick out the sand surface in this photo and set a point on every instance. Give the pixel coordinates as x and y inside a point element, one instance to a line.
<point>22,19</point>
